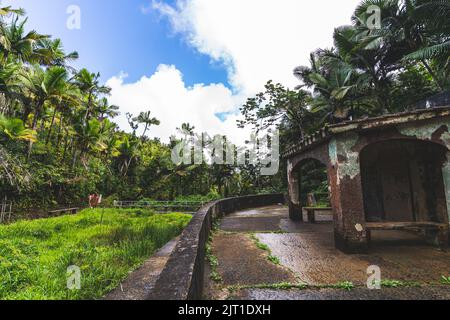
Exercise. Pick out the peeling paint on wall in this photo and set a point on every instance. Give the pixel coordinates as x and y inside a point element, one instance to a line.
<point>350,166</point>
<point>293,184</point>
<point>332,151</point>
<point>425,132</point>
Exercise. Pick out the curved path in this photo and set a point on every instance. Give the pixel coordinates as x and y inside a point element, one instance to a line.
<point>261,254</point>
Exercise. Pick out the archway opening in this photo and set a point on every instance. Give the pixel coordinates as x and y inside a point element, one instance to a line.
<point>402,181</point>
<point>313,192</point>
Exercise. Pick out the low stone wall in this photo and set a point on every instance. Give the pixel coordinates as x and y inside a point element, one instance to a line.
<point>182,277</point>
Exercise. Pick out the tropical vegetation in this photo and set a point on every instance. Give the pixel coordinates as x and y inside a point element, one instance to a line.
<point>106,244</point>
<point>59,142</point>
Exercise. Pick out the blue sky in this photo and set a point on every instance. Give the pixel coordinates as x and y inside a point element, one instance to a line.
<point>117,36</point>
<point>193,61</point>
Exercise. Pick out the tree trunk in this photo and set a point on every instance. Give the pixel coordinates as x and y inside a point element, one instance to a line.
<point>59,130</point>
<point>34,126</point>
<point>432,74</point>
<point>51,127</point>
<point>74,158</point>
<point>88,109</point>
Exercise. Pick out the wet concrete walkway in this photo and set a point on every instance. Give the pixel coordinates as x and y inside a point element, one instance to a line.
<point>261,254</point>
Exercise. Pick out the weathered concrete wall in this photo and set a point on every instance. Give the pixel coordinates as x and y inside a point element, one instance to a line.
<point>346,194</point>
<point>345,176</point>
<point>182,277</point>
<point>446,176</point>
<point>341,150</point>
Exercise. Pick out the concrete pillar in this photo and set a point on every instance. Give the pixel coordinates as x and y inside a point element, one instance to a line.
<point>295,208</point>
<point>347,195</point>
<point>446,177</point>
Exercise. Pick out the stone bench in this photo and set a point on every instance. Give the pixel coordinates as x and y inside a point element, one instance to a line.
<point>435,232</point>
<point>311,212</point>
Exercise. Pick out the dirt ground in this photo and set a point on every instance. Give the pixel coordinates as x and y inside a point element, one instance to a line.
<point>305,254</point>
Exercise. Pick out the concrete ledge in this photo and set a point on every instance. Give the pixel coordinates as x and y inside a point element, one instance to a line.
<point>141,282</point>
<point>182,276</point>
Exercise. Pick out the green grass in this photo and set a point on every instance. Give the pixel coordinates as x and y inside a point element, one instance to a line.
<point>445,280</point>
<point>214,264</point>
<point>35,255</point>
<point>345,285</point>
<point>211,258</point>
<point>392,283</point>
<point>264,247</point>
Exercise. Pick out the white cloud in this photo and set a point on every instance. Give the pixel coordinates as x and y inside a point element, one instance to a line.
<point>166,95</point>
<point>256,40</point>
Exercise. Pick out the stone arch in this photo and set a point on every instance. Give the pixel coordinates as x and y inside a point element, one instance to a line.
<point>319,154</point>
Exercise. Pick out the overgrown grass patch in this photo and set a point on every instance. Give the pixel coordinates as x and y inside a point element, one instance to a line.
<point>264,247</point>
<point>35,255</point>
<point>210,257</point>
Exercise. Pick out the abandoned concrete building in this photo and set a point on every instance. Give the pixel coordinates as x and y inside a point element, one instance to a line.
<point>385,173</point>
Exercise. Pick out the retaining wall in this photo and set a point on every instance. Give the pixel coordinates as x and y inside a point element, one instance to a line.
<point>182,277</point>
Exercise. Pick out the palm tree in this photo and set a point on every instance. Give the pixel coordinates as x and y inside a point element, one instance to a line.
<point>414,30</point>
<point>8,10</point>
<point>186,129</point>
<point>51,53</point>
<point>106,110</point>
<point>336,84</point>
<point>41,86</point>
<point>14,41</point>
<point>128,150</point>
<point>89,84</point>
<point>146,119</point>
<point>8,84</point>
<point>67,98</point>
<point>89,139</point>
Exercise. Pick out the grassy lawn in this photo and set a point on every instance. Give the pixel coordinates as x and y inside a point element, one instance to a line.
<point>35,255</point>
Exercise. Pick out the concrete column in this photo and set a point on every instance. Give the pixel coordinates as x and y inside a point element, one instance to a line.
<point>446,177</point>
<point>295,208</point>
<point>347,196</point>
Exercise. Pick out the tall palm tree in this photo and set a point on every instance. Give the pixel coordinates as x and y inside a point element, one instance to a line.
<point>8,84</point>
<point>51,53</point>
<point>15,41</point>
<point>148,121</point>
<point>89,84</point>
<point>5,11</point>
<point>89,139</point>
<point>41,86</point>
<point>106,110</point>
<point>414,30</point>
<point>67,98</point>
<point>335,82</point>
<point>128,150</point>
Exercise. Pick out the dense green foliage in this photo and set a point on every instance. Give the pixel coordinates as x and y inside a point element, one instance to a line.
<point>35,255</point>
<point>58,142</point>
<point>368,72</point>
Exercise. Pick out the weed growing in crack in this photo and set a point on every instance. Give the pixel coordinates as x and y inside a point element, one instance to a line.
<point>445,280</point>
<point>273,286</point>
<point>264,247</point>
<point>345,285</point>
<point>210,257</point>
